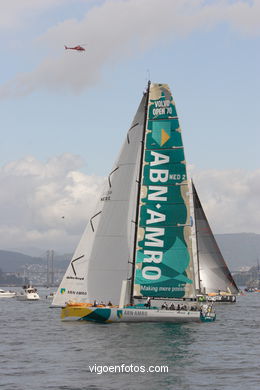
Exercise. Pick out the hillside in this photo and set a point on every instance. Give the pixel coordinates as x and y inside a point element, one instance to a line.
<point>239,250</point>
<point>14,261</point>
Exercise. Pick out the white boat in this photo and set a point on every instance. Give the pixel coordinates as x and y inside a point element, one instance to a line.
<point>216,281</point>
<point>29,293</point>
<point>7,294</point>
<point>138,243</point>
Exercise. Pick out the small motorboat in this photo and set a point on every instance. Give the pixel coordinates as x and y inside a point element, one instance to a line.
<point>222,297</point>
<point>7,294</point>
<point>29,294</point>
<point>51,295</point>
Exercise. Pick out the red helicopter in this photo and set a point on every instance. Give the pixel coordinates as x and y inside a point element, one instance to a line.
<point>78,48</point>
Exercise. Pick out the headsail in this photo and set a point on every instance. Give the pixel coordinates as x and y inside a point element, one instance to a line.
<point>163,258</point>
<point>102,259</point>
<point>214,272</point>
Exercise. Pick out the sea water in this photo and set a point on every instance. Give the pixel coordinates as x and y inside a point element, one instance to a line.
<point>38,351</point>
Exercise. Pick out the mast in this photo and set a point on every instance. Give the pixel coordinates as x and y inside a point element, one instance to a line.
<point>48,271</point>
<point>52,268</point>
<point>139,193</point>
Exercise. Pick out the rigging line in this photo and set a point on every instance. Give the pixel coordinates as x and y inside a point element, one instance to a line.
<point>155,118</point>
<point>92,227</point>
<point>176,163</point>
<point>171,148</point>
<point>113,200</point>
<point>125,164</point>
<point>111,235</point>
<point>183,183</point>
<point>111,173</point>
<point>128,139</point>
<point>171,184</point>
<point>168,226</point>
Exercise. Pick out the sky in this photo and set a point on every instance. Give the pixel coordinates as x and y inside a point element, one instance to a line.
<point>64,114</point>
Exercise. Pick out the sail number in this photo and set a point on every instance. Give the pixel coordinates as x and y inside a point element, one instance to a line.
<point>177,176</point>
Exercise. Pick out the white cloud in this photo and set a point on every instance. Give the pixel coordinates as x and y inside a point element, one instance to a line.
<point>18,13</point>
<point>115,29</point>
<point>35,197</point>
<point>230,199</point>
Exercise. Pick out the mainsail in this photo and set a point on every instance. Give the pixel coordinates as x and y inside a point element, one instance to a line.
<point>213,270</point>
<point>163,259</point>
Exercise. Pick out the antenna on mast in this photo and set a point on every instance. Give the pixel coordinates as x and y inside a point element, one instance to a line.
<point>148,76</point>
<point>148,81</point>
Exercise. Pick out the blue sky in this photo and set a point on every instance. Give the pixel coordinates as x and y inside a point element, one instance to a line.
<point>75,108</point>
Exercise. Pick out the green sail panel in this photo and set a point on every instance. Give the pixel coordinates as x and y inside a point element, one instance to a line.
<point>163,133</point>
<point>162,107</point>
<point>172,173</point>
<point>174,156</point>
<point>163,251</point>
<point>163,214</point>
<point>163,256</point>
<point>156,193</point>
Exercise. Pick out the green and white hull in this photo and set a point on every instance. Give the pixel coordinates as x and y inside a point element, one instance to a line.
<point>115,314</point>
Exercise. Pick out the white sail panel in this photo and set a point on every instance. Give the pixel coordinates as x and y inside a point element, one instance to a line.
<point>112,252</point>
<point>105,251</point>
<point>73,286</point>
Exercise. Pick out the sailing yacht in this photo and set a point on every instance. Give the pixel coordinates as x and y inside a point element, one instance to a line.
<point>135,260</point>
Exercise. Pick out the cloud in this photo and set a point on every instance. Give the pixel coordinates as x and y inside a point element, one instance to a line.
<point>16,13</point>
<point>116,29</point>
<point>36,196</point>
<point>230,199</point>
